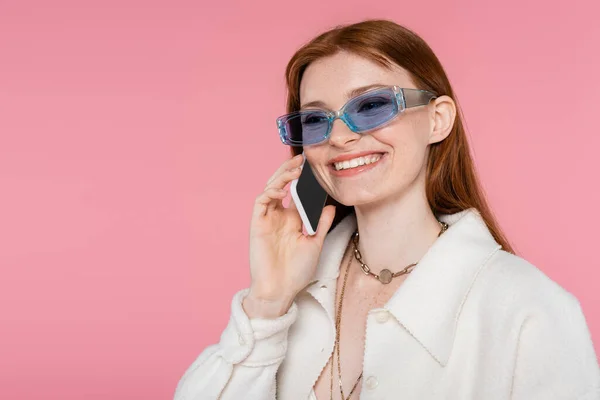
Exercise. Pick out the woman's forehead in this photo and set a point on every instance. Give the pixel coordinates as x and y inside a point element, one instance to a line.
<point>332,80</point>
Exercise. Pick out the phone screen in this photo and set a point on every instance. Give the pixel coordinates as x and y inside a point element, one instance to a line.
<point>312,196</point>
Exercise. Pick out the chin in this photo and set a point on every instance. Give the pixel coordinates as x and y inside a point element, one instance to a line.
<point>358,199</point>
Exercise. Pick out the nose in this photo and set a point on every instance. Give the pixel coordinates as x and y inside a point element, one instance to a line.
<point>341,135</point>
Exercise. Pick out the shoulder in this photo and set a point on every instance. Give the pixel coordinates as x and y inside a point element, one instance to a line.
<point>511,295</point>
<point>512,281</point>
<point>553,341</point>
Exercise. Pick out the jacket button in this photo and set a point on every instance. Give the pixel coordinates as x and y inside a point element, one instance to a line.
<point>382,316</point>
<point>241,340</point>
<point>371,383</point>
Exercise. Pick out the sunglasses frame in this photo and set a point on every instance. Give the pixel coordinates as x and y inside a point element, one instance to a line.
<point>405,98</point>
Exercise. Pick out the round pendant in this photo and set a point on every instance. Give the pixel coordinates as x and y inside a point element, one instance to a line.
<point>385,276</point>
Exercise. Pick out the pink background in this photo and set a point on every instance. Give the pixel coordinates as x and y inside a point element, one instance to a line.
<point>134,136</point>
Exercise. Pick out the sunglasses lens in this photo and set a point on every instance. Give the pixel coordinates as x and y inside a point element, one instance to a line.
<point>363,113</point>
<point>304,127</point>
<point>372,109</point>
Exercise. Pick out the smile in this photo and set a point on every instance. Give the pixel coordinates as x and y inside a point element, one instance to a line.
<point>356,166</point>
<point>356,162</point>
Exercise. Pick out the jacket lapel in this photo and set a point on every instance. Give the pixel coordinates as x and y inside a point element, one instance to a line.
<point>429,301</point>
<point>427,304</point>
<point>328,268</point>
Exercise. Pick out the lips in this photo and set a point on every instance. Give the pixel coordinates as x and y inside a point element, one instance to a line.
<point>359,169</point>
<point>350,156</point>
<point>357,162</point>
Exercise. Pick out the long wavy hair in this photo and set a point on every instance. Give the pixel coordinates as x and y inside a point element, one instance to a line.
<point>452,184</point>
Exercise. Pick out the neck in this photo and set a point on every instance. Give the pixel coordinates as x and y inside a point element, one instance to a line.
<point>397,232</point>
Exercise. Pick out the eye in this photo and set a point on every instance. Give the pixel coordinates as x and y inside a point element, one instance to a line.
<point>372,104</point>
<point>313,119</point>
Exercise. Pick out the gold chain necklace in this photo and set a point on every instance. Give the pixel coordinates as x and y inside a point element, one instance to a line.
<point>383,277</point>
<point>336,348</point>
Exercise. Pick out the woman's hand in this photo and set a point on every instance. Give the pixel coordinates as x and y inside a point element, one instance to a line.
<point>282,258</point>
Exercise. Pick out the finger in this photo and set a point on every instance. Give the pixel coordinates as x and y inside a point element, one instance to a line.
<point>277,202</point>
<point>286,166</point>
<point>293,216</point>
<point>325,222</point>
<point>284,178</point>
<point>292,163</point>
<point>268,199</point>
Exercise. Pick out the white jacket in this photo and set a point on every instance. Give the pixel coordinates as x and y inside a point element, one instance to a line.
<point>471,321</point>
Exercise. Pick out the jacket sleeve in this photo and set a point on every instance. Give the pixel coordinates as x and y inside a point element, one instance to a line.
<point>243,365</point>
<point>556,358</point>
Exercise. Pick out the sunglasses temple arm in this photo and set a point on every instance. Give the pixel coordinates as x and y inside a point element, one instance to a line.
<point>414,98</point>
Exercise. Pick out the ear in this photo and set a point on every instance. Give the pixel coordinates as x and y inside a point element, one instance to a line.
<point>443,114</point>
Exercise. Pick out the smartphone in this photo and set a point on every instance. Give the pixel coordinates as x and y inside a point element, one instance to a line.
<point>309,197</point>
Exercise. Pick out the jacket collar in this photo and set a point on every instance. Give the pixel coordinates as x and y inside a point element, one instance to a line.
<point>429,301</point>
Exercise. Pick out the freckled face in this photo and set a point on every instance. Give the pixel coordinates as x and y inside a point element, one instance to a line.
<point>401,145</point>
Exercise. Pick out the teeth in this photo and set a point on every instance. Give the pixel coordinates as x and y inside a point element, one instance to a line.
<point>355,162</point>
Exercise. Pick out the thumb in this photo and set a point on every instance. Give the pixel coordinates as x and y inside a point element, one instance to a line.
<point>325,222</point>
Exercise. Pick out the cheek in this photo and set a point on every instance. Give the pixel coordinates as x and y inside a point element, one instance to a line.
<point>315,155</point>
<point>408,144</point>
<point>408,158</point>
<point>407,154</point>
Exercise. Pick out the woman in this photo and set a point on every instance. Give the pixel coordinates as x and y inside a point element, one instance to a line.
<point>411,291</point>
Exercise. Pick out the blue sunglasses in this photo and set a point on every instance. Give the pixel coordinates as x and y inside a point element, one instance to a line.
<point>362,113</point>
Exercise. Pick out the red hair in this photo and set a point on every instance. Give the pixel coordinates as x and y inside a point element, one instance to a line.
<point>452,184</point>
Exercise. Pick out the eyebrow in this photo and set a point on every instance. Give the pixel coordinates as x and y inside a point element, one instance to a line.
<point>350,94</point>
